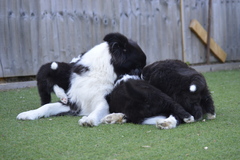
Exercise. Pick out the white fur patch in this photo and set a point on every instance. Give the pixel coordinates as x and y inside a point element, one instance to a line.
<point>54,65</point>
<point>89,89</point>
<point>75,59</point>
<point>193,88</point>
<point>60,93</point>
<point>125,78</point>
<point>114,118</point>
<point>46,110</point>
<point>189,119</point>
<point>152,120</point>
<point>168,123</point>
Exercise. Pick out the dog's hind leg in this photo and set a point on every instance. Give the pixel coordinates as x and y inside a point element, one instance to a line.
<point>45,97</point>
<point>153,120</point>
<point>208,106</point>
<point>47,110</point>
<point>182,113</point>
<point>44,93</point>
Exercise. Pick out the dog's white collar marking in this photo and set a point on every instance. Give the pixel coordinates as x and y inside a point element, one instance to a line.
<point>125,78</point>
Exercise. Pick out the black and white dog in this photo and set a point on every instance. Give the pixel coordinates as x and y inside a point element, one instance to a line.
<point>170,94</point>
<point>136,101</point>
<point>92,78</point>
<point>55,77</point>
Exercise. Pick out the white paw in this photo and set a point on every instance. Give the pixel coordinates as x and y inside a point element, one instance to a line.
<point>168,123</point>
<point>189,119</point>
<point>64,100</point>
<point>28,115</point>
<point>88,122</point>
<point>60,93</point>
<point>211,116</point>
<point>114,118</point>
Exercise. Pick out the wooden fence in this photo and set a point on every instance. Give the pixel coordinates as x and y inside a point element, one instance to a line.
<point>34,32</point>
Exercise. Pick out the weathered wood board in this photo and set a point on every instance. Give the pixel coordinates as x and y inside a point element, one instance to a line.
<point>197,28</point>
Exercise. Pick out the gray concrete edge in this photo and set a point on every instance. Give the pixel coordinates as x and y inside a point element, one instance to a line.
<point>17,85</point>
<point>217,67</point>
<point>199,68</point>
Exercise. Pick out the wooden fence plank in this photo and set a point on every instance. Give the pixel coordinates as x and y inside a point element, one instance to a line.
<point>3,37</point>
<point>34,33</point>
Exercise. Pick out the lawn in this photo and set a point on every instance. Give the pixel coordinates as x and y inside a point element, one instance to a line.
<point>63,138</point>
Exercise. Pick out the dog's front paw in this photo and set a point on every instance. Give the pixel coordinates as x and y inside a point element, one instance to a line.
<point>64,100</point>
<point>114,118</point>
<point>168,123</point>
<point>189,119</point>
<point>87,122</point>
<point>28,115</point>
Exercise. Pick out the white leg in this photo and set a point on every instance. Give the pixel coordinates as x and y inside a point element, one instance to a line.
<point>94,118</point>
<point>168,123</point>
<point>114,118</point>
<point>46,110</point>
<point>152,120</point>
<point>60,93</point>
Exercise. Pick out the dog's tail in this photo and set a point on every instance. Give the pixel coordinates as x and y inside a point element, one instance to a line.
<point>198,83</point>
<point>193,88</point>
<point>54,66</point>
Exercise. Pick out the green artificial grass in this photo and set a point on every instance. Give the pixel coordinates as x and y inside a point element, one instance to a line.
<point>63,138</point>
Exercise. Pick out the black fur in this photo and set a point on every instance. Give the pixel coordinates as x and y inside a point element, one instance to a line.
<point>165,90</point>
<point>79,69</point>
<point>174,78</point>
<point>47,78</point>
<point>137,99</point>
<point>127,54</point>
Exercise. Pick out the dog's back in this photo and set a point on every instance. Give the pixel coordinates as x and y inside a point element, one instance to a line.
<point>184,84</point>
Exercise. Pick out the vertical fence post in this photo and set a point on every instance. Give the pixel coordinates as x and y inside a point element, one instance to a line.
<point>182,30</point>
<point>209,30</point>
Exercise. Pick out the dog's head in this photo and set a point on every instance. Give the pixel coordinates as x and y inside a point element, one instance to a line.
<point>126,54</point>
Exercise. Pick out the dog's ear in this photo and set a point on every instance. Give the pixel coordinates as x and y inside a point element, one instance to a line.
<point>116,41</point>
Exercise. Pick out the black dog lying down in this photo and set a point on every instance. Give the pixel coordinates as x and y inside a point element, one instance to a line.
<point>184,84</point>
<point>171,94</point>
<point>142,103</point>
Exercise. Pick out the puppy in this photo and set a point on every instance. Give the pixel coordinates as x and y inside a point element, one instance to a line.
<point>136,101</point>
<point>183,84</point>
<point>92,78</point>
<point>55,77</point>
